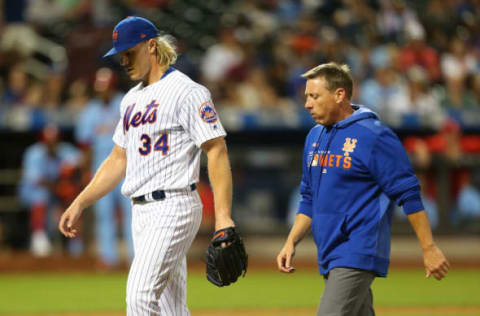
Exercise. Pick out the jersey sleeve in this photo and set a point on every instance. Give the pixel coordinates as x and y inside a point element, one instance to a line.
<point>390,166</point>
<point>119,137</point>
<point>198,117</point>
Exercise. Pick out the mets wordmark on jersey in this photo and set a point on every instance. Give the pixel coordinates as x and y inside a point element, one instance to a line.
<point>162,127</point>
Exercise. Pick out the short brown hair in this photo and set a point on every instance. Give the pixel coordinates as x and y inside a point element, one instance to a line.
<point>337,76</point>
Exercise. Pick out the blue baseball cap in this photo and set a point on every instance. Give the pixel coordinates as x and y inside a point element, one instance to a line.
<point>129,32</point>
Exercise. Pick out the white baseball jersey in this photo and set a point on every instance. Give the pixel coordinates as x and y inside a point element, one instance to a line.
<point>162,126</point>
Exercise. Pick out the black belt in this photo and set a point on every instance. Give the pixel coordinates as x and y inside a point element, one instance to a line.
<point>157,195</point>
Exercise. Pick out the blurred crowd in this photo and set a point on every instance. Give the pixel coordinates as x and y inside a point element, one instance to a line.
<point>415,63</point>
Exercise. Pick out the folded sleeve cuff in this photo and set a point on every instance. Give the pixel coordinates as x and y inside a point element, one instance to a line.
<point>305,209</point>
<point>413,205</point>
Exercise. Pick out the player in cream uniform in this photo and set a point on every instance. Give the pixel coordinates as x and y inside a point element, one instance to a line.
<point>162,127</point>
<point>166,121</point>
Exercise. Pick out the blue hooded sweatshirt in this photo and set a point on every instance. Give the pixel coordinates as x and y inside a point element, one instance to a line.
<point>351,171</point>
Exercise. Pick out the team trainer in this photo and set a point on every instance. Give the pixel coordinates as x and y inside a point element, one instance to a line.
<point>353,165</point>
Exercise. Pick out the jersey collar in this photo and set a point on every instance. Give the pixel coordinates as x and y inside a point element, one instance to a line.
<point>169,70</point>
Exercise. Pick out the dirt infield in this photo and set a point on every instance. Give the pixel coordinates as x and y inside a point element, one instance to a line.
<point>383,311</point>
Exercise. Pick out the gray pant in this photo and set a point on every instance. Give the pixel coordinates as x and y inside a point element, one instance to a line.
<point>347,293</point>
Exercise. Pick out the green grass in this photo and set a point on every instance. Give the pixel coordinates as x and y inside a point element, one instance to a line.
<point>49,293</point>
<point>57,293</point>
<point>401,288</point>
<point>411,288</point>
<point>258,290</point>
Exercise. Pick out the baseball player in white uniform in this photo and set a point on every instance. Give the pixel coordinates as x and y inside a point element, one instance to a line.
<point>166,121</point>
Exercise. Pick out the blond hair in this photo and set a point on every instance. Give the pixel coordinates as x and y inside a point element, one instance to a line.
<point>336,76</point>
<point>166,53</point>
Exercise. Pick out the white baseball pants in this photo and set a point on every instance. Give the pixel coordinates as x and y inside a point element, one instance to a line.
<point>162,234</point>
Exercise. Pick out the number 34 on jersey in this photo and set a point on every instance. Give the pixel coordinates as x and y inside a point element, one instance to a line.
<point>148,117</point>
<point>161,144</point>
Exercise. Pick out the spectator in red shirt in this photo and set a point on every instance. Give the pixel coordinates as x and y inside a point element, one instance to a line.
<point>416,52</point>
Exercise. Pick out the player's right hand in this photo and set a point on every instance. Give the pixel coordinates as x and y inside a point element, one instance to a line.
<point>284,258</point>
<point>68,220</point>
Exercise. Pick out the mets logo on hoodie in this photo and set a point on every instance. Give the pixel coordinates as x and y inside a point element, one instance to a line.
<point>328,159</point>
<point>349,146</point>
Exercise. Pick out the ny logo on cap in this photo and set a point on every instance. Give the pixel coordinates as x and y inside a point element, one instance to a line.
<point>115,35</point>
